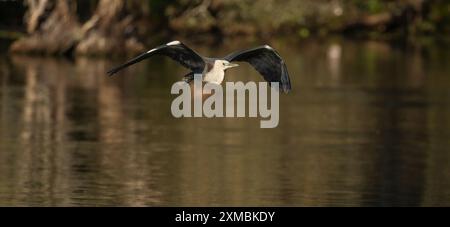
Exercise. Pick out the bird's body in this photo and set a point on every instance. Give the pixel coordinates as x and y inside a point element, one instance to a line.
<point>264,59</point>
<point>214,71</point>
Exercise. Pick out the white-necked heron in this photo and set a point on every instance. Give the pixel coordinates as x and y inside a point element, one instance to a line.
<point>263,58</point>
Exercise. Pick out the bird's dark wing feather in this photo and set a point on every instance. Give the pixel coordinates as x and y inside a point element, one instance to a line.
<point>175,50</point>
<point>267,62</point>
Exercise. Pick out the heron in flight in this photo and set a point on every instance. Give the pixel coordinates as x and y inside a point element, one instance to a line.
<point>264,59</point>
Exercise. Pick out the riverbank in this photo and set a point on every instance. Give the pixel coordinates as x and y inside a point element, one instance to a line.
<point>127,27</point>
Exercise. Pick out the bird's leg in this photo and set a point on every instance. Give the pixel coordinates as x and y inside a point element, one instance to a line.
<point>188,77</point>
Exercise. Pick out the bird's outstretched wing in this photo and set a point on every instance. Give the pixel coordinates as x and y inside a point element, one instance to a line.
<point>267,62</point>
<point>175,50</point>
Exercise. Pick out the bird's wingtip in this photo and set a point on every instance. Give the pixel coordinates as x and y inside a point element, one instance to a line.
<point>111,72</point>
<point>285,88</point>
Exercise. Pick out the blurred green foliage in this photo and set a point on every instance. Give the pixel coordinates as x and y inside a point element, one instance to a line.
<point>308,17</point>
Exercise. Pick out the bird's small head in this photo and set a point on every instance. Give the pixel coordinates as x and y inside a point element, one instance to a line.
<point>224,64</point>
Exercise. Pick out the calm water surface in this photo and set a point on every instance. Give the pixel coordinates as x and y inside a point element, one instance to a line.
<point>367,123</point>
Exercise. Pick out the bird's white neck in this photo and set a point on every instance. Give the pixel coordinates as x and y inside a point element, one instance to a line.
<point>215,75</point>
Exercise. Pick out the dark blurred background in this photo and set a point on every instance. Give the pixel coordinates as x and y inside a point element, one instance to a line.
<point>96,27</point>
<point>367,122</point>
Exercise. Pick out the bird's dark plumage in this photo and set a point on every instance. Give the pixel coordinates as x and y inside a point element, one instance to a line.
<point>264,59</point>
<point>267,62</point>
<point>175,50</point>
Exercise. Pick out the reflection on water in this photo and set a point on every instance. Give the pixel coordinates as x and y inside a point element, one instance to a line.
<point>366,124</point>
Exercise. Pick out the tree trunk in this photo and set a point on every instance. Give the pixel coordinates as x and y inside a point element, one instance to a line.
<point>112,29</point>
<point>52,26</point>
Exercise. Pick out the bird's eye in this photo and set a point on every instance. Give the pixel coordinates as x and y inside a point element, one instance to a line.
<point>223,64</point>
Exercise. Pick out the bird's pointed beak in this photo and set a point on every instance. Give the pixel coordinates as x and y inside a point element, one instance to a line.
<point>232,65</point>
